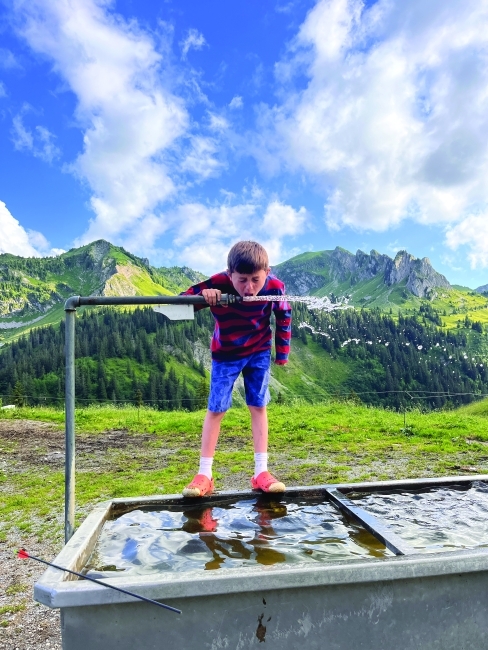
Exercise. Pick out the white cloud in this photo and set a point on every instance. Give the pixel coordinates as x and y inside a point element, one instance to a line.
<point>283,219</point>
<point>46,150</point>
<point>130,119</point>
<point>3,90</point>
<point>22,138</point>
<point>217,123</point>
<point>285,8</point>
<point>236,102</point>
<point>451,262</point>
<point>198,221</point>
<point>38,240</point>
<point>141,239</point>
<point>393,117</point>
<point>201,159</point>
<point>194,39</point>
<point>394,247</point>
<point>206,233</point>
<point>17,240</point>
<point>39,142</point>
<point>473,232</point>
<point>13,237</point>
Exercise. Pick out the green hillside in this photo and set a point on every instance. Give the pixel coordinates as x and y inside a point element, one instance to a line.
<point>33,290</point>
<point>140,357</point>
<point>392,348</point>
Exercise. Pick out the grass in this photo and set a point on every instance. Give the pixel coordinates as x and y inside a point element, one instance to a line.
<point>12,609</point>
<point>16,588</point>
<point>330,442</point>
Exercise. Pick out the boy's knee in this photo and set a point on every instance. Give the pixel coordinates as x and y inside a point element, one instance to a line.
<point>216,414</point>
<point>257,409</point>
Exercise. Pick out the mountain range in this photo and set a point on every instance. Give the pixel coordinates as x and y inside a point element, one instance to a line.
<point>33,290</point>
<point>366,278</point>
<point>34,286</point>
<point>412,330</point>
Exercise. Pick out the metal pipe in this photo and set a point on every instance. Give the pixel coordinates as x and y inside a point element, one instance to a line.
<point>70,308</point>
<point>69,475</point>
<point>23,555</point>
<point>91,301</point>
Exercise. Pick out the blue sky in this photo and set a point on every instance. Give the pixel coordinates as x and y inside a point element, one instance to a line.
<point>176,128</point>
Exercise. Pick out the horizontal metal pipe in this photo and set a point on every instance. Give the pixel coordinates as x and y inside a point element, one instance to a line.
<point>78,301</point>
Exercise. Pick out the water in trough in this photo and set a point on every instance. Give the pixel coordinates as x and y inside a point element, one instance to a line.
<point>438,519</point>
<point>243,533</point>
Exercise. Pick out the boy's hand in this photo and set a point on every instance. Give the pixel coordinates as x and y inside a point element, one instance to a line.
<point>281,362</point>
<point>212,296</point>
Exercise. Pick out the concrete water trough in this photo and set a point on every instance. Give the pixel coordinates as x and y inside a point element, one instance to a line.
<point>398,564</point>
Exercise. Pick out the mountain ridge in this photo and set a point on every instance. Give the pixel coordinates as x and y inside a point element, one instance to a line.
<point>33,290</point>
<point>379,346</point>
<point>329,270</point>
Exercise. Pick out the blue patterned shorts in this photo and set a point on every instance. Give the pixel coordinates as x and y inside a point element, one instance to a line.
<point>255,370</point>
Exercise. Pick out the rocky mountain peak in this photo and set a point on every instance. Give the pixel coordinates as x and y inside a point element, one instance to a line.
<point>420,275</point>
<point>309,272</point>
<point>99,249</point>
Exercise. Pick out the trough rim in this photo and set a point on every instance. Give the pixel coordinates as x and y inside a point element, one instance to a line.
<point>57,590</point>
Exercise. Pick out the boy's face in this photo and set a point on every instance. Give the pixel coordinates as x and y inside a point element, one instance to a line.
<point>249,284</point>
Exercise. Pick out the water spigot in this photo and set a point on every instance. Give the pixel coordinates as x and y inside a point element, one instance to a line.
<point>229,299</point>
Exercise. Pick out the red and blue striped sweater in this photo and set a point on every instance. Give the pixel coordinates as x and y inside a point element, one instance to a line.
<point>244,328</point>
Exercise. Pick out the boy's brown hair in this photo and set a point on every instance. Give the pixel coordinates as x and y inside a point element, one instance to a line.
<point>247,257</point>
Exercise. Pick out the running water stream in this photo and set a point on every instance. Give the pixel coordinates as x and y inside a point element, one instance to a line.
<point>312,302</point>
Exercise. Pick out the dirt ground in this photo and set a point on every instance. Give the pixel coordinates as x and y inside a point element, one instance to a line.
<point>24,624</point>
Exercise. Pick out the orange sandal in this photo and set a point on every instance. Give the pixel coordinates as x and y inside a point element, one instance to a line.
<point>199,487</point>
<point>267,483</point>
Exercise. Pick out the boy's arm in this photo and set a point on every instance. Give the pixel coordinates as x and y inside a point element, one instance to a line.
<point>197,290</point>
<point>282,312</point>
<point>207,289</point>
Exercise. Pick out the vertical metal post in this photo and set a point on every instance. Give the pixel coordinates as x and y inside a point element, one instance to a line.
<point>69,476</point>
<point>70,311</point>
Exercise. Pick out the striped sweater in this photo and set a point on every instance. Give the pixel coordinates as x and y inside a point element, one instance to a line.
<point>244,328</point>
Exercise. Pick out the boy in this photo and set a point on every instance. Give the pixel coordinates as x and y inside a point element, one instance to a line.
<point>241,342</point>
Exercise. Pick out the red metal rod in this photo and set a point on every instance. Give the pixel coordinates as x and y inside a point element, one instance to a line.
<point>23,555</point>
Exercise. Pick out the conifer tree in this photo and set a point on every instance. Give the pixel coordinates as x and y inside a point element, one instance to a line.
<point>19,394</point>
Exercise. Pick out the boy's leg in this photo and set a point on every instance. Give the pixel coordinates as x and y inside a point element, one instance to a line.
<point>222,381</point>
<point>256,379</point>
<point>259,425</point>
<point>210,433</point>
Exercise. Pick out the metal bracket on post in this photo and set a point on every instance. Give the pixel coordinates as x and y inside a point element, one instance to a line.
<point>176,312</point>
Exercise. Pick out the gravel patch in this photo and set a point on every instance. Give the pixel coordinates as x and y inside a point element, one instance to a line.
<point>25,624</point>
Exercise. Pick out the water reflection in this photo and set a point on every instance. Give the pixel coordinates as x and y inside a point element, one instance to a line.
<point>248,532</point>
<point>438,519</point>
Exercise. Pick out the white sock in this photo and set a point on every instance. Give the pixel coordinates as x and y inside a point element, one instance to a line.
<point>260,463</point>
<point>206,466</point>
